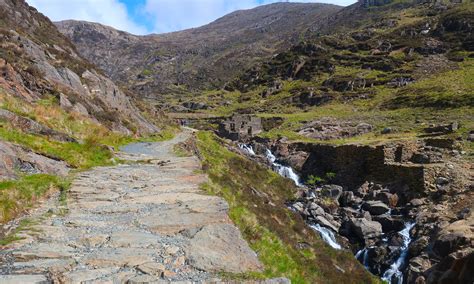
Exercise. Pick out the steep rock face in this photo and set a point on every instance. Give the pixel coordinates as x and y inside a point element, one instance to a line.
<point>197,58</point>
<point>37,61</point>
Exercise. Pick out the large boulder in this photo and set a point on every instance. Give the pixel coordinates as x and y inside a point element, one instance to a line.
<point>365,229</point>
<point>447,243</point>
<point>325,223</point>
<point>416,269</point>
<point>375,207</point>
<point>15,160</point>
<point>332,191</point>
<point>417,246</point>
<point>455,268</point>
<point>390,224</point>
<point>388,198</point>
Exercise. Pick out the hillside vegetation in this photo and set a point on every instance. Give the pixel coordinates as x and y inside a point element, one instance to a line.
<point>58,112</point>
<point>284,243</point>
<point>402,74</point>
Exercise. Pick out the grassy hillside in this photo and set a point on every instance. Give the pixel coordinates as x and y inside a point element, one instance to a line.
<point>414,71</point>
<point>285,244</point>
<point>92,146</point>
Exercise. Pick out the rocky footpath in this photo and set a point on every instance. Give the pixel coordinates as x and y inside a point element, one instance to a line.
<point>145,221</point>
<point>404,209</point>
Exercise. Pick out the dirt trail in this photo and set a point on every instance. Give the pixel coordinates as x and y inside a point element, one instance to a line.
<point>132,223</point>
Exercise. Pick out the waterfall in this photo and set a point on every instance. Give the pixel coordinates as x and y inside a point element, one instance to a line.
<point>282,170</point>
<point>394,270</point>
<point>247,148</point>
<point>327,235</point>
<point>365,256</point>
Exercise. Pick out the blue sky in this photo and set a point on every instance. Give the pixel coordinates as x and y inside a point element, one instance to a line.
<point>150,16</point>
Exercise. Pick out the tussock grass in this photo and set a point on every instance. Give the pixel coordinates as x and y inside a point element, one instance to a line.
<point>18,195</point>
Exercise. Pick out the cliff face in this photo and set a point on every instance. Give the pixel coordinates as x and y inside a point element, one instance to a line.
<point>37,61</point>
<point>199,58</point>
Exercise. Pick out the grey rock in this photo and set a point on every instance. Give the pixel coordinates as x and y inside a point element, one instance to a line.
<point>144,279</point>
<point>333,191</point>
<point>365,229</point>
<point>375,207</point>
<point>24,279</point>
<point>221,247</point>
<point>325,223</point>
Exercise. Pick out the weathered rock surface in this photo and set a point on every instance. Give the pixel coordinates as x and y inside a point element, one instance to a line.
<point>375,207</point>
<point>365,229</point>
<point>141,223</point>
<point>14,159</point>
<point>55,69</point>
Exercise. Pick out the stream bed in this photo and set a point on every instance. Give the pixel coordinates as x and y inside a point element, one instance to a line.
<point>394,273</point>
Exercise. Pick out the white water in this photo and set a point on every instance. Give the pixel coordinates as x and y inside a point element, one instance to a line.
<point>282,170</point>
<point>247,148</point>
<point>365,256</point>
<point>394,270</point>
<point>327,235</point>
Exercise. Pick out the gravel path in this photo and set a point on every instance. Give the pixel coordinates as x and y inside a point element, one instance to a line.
<point>132,223</point>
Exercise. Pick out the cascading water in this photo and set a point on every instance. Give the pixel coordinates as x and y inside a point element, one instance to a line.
<point>247,148</point>
<point>284,171</point>
<point>365,256</point>
<point>327,235</point>
<point>394,273</point>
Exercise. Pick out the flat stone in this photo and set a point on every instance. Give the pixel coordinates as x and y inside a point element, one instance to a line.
<point>325,223</point>
<point>24,279</point>
<point>179,217</point>
<point>81,276</point>
<point>220,247</point>
<point>43,250</point>
<point>144,279</point>
<point>43,265</point>
<point>152,268</point>
<point>118,257</point>
<point>133,239</point>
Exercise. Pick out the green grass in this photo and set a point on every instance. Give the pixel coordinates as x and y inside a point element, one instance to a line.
<point>78,155</point>
<point>18,195</point>
<point>257,198</point>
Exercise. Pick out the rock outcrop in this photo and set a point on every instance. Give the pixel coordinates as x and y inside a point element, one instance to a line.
<point>37,61</point>
<point>15,159</point>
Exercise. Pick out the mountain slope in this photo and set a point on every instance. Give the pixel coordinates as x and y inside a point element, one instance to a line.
<point>57,111</point>
<point>39,61</point>
<point>197,58</point>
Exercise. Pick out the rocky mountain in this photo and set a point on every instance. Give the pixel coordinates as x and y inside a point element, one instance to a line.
<point>38,61</point>
<point>201,58</point>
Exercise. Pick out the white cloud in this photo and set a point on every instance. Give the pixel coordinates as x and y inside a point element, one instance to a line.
<point>107,12</point>
<point>173,15</point>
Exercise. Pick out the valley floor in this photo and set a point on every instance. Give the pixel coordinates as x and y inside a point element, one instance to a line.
<point>142,221</point>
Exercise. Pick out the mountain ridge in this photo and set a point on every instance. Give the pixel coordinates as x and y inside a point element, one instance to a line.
<point>197,58</point>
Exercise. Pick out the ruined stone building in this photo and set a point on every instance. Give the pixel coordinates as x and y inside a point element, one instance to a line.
<point>240,127</point>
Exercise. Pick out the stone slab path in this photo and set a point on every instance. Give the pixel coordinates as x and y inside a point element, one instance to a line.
<point>132,223</point>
